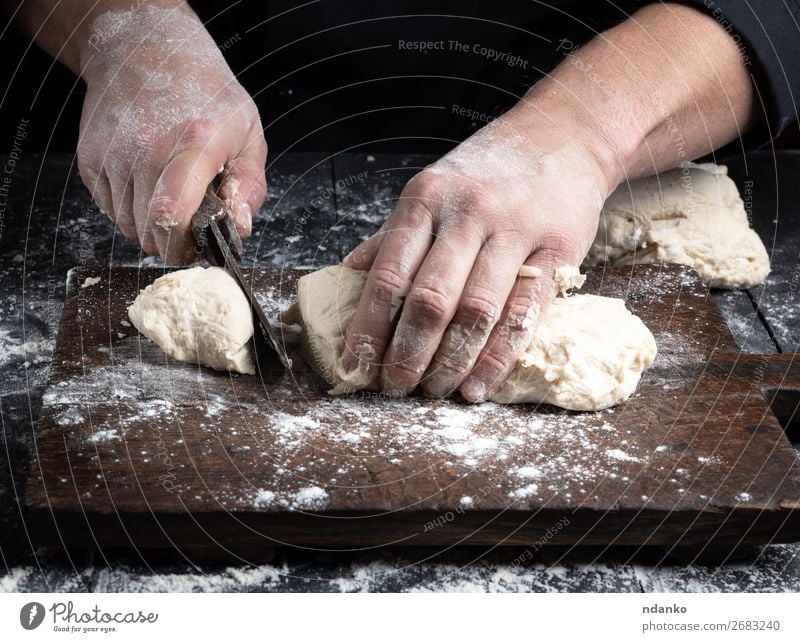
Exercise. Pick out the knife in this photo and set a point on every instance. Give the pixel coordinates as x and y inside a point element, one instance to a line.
<point>219,243</point>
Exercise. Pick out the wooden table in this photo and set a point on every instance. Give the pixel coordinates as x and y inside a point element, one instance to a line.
<point>320,207</point>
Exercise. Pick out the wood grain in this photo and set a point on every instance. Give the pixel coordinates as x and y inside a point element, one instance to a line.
<point>136,451</point>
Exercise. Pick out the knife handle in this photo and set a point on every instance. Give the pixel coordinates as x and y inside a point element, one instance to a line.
<point>213,209</point>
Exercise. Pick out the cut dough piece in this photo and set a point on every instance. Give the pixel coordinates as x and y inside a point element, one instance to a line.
<point>326,301</point>
<point>198,315</point>
<point>587,352</point>
<point>691,215</point>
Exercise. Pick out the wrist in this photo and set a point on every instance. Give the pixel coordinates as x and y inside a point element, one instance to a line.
<point>596,155</point>
<point>118,29</point>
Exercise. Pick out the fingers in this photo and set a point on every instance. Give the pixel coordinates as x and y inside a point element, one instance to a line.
<point>428,309</point>
<point>363,256</point>
<point>176,197</point>
<point>529,298</point>
<point>141,200</point>
<point>122,199</point>
<point>487,289</point>
<point>99,186</point>
<point>403,250</point>
<point>244,187</point>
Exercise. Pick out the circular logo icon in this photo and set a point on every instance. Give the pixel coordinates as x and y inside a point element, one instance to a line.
<point>31,615</point>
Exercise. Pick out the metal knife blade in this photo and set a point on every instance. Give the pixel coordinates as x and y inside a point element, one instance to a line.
<point>218,241</point>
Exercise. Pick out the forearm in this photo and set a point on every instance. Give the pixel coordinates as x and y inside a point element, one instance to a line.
<point>65,29</point>
<point>666,86</point>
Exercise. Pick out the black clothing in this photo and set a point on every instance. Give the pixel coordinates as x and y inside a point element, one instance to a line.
<point>404,75</point>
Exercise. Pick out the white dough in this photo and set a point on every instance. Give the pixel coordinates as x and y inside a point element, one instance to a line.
<point>327,300</point>
<point>587,352</point>
<point>198,315</point>
<point>568,277</point>
<point>691,215</point>
<point>529,271</point>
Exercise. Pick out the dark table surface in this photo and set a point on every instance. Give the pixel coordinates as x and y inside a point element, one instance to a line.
<point>319,207</point>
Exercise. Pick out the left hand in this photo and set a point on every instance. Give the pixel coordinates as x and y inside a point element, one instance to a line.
<point>444,305</point>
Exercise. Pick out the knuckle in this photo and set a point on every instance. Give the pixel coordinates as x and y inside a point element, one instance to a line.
<point>388,284</point>
<point>88,164</point>
<point>555,241</point>
<point>478,311</point>
<point>429,305</point>
<point>477,201</point>
<point>197,132</point>
<point>404,370</point>
<point>520,315</point>
<point>424,184</point>
<point>496,361</point>
<point>448,364</point>
<point>162,215</point>
<point>418,215</point>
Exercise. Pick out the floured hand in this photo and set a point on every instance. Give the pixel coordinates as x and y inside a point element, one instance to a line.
<point>163,116</point>
<point>448,303</point>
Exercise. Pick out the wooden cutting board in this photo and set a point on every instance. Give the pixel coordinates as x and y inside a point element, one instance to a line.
<point>136,451</point>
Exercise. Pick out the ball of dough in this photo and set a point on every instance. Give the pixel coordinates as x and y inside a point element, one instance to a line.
<point>587,352</point>
<point>327,300</point>
<point>198,315</point>
<point>691,215</point>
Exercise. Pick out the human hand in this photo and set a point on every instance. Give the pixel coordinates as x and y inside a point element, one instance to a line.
<point>163,116</point>
<point>445,304</point>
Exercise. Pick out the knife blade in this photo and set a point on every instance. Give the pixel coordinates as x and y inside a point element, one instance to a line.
<point>219,243</point>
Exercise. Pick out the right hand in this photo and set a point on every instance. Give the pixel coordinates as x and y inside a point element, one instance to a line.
<point>163,116</point>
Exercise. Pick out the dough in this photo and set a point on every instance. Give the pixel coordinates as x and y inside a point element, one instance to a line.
<point>587,352</point>
<point>327,300</point>
<point>568,277</point>
<point>691,215</point>
<point>198,315</point>
<point>530,271</point>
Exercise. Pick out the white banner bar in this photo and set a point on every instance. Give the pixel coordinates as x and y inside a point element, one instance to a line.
<point>388,617</point>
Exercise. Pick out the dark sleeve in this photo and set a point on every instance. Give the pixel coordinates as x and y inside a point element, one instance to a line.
<point>767,33</point>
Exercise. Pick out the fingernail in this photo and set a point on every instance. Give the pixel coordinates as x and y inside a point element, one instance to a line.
<point>245,219</point>
<point>392,389</point>
<point>438,390</point>
<point>474,390</point>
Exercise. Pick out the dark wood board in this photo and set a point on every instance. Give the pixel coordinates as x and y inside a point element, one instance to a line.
<point>139,452</point>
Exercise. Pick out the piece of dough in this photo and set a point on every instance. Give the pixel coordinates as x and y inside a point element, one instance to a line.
<point>198,315</point>
<point>530,271</point>
<point>691,215</point>
<point>587,352</point>
<point>568,277</point>
<point>326,301</point>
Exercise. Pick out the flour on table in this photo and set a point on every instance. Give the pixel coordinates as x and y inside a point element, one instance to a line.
<point>198,315</point>
<point>692,215</point>
<point>587,352</point>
